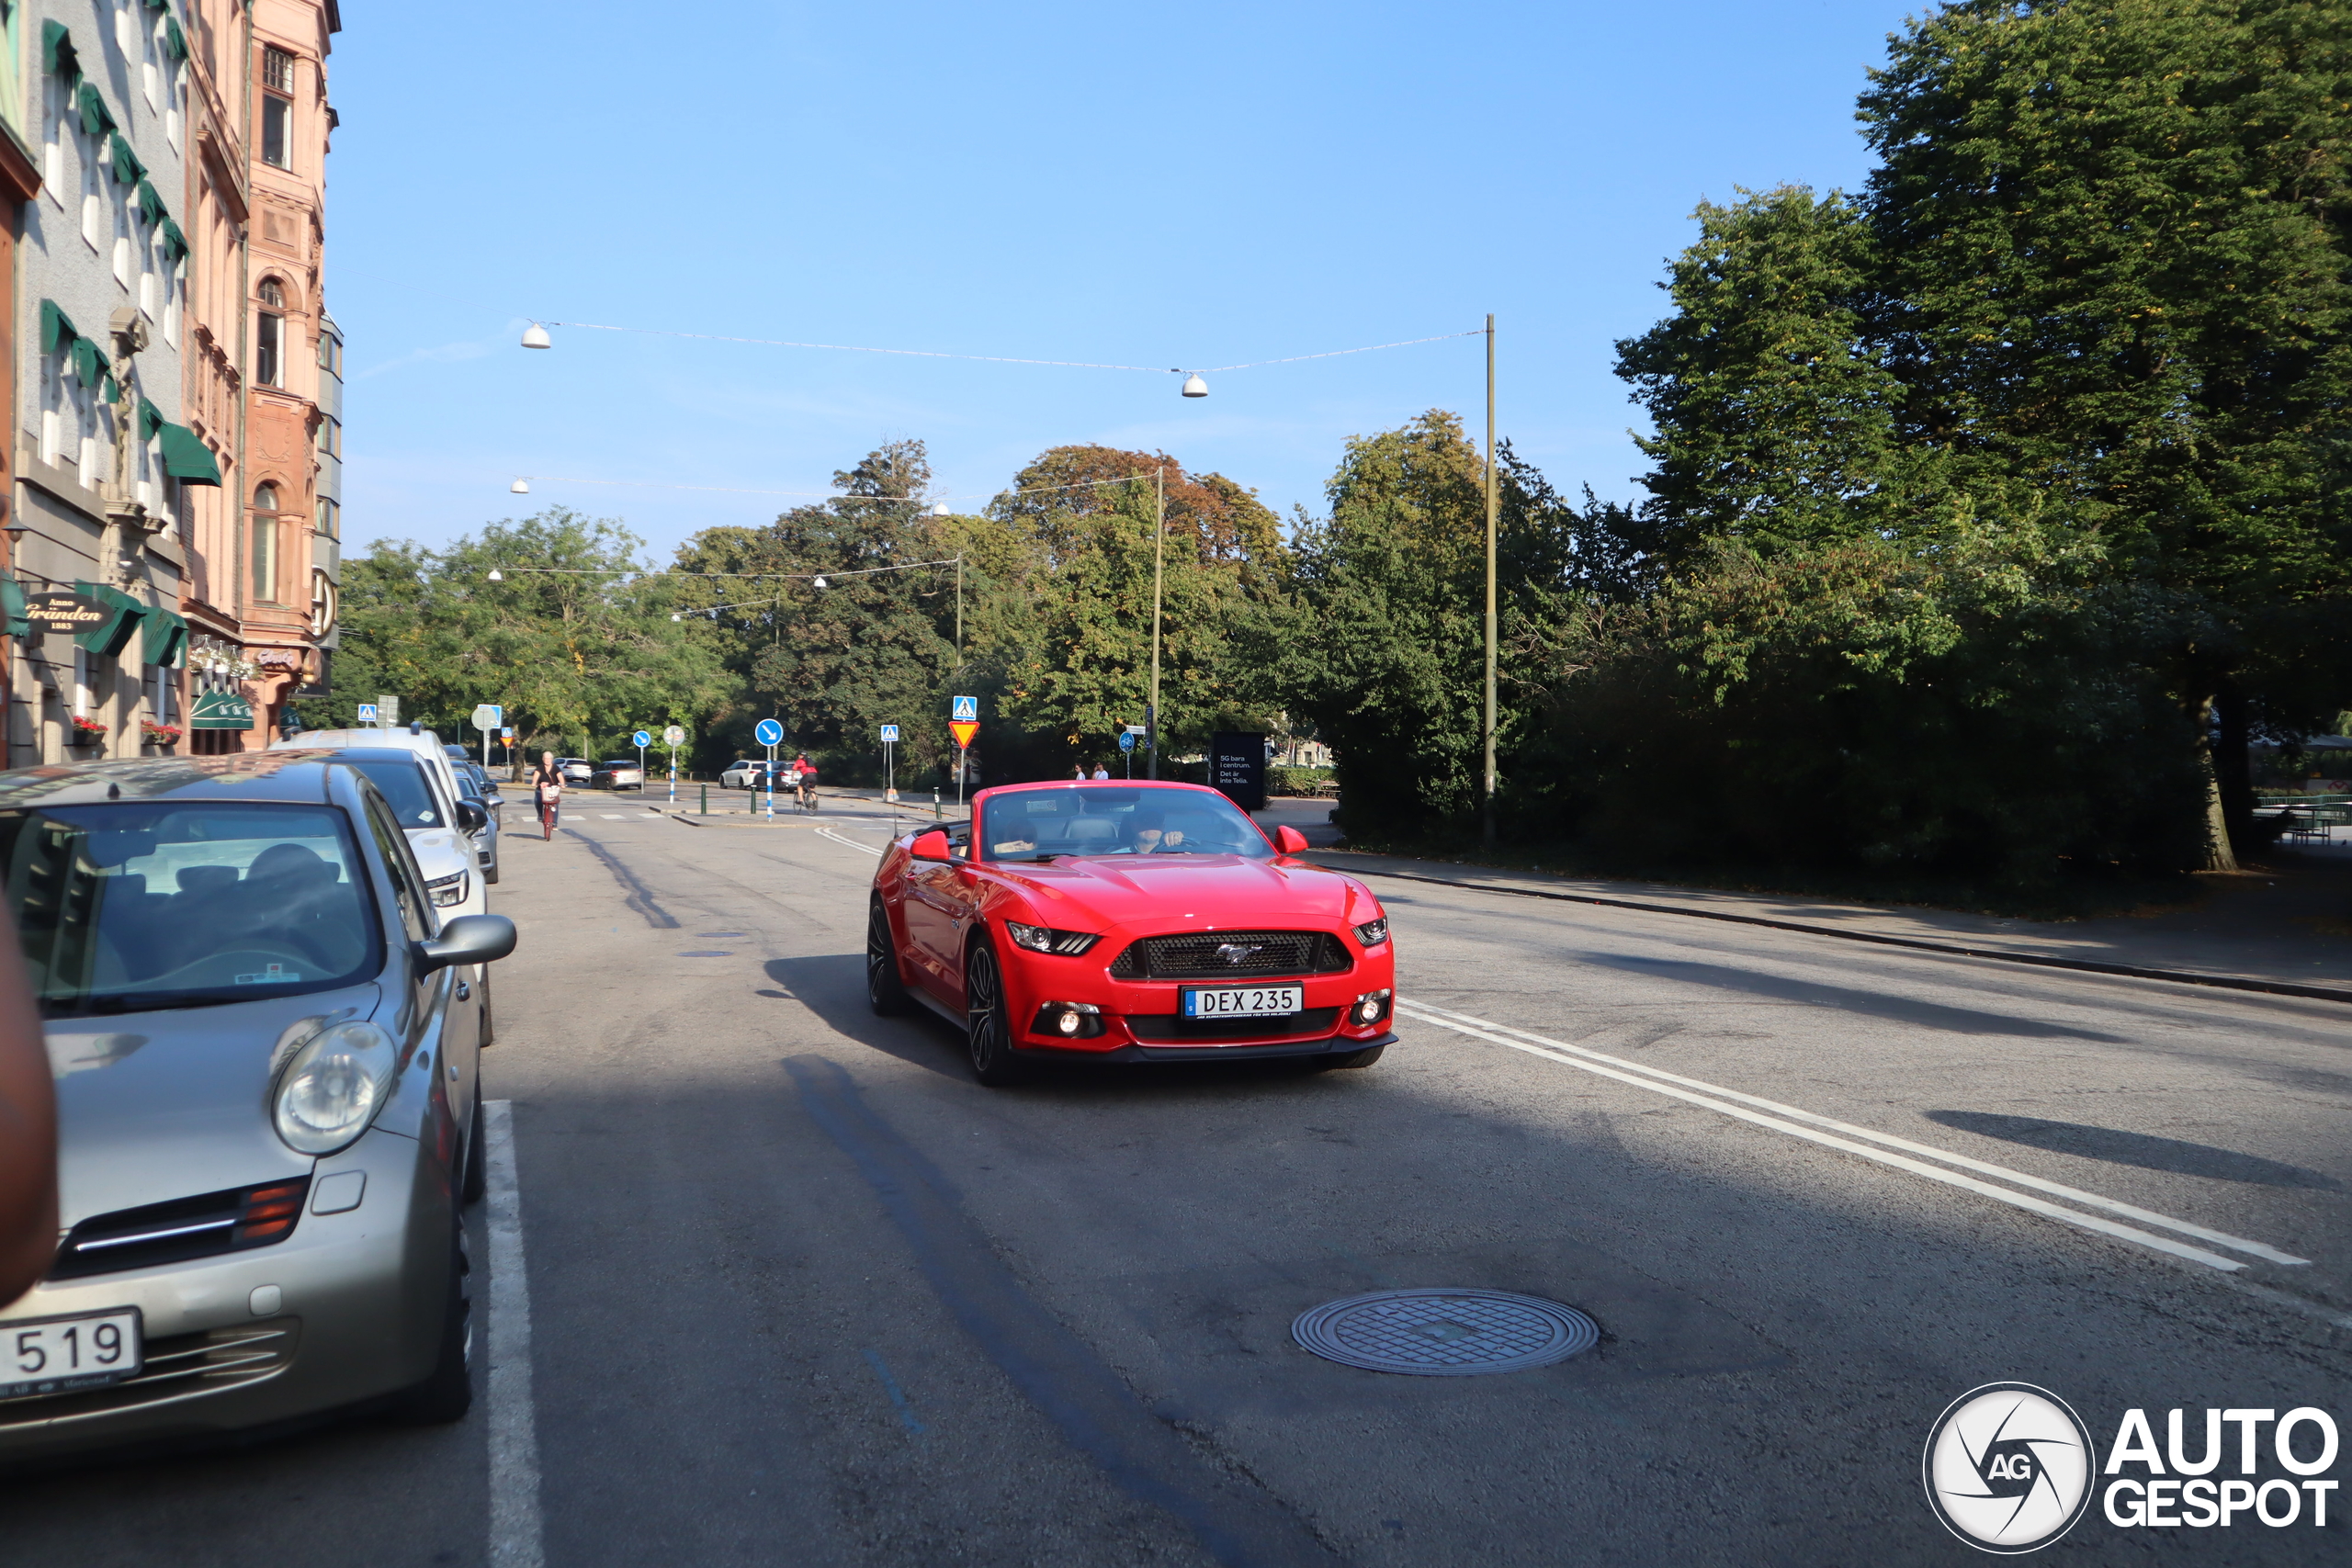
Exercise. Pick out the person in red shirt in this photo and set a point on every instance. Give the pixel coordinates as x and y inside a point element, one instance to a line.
<point>805,781</point>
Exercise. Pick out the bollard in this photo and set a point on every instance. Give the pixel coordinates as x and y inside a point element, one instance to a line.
<point>934,802</point>
<point>706,800</point>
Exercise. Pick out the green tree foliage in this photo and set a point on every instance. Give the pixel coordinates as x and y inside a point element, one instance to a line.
<point>576,643</point>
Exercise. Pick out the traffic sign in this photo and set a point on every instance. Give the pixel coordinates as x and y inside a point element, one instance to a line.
<point>1126,740</point>
<point>366,712</point>
<point>674,735</point>
<point>964,710</point>
<point>640,740</point>
<point>890,734</point>
<point>964,729</point>
<point>507,732</point>
<point>768,732</point>
<point>487,715</point>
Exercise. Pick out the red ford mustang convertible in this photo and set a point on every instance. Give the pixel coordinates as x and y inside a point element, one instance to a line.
<point>1127,922</point>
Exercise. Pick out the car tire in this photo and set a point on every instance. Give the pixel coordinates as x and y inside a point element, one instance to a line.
<point>988,1023</point>
<point>886,989</point>
<point>445,1395</point>
<point>477,1182</point>
<point>1363,1058</point>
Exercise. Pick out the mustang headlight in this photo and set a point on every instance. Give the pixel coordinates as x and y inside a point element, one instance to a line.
<point>333,1087</point>
<point>1040,939</point>
<point>1372,933</point>
<point>448,890</point>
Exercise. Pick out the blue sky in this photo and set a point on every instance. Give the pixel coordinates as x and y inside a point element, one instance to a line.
<point>1199,185</point>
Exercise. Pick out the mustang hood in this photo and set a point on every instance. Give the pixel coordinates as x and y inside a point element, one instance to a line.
<point>1194,892</point>
<point>161,1105</point>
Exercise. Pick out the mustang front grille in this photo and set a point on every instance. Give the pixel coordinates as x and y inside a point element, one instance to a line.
<point>1221,955</point>
<point>202,1226</point>
<point>1173,1029</point>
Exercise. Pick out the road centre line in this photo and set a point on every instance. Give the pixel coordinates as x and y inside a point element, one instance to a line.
<point>853,843</point>
<point>1649,1078</point>
<point>516,1535</point>
<point>2128,1211</point>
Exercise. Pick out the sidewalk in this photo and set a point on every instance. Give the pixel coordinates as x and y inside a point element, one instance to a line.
<point>2287,924</point>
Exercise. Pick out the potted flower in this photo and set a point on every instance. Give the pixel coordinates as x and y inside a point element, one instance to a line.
<point>86,733</point>
<point>161,736</point>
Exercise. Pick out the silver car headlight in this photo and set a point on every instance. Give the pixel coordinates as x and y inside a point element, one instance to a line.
<point>448,890</point>
<point>333,1087</point>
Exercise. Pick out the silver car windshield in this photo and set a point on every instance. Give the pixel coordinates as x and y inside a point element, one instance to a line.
<point>1042,823</point>
<point>152,904</point>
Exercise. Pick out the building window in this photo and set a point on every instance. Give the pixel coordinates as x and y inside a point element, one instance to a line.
<point>174,286</point>
<point>176,109</point>
<point>53,148</point>
<point>266,544</point>
<point>327,520</point>
<point>330,354</point>
<point>94,214</point>
<point>276,113</point>
<point>330,436</point>
<point>53,416</point>
<point>269,336</point>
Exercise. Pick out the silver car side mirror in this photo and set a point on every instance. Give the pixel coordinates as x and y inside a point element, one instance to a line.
<point>468,939</point>
<point>472,816</point>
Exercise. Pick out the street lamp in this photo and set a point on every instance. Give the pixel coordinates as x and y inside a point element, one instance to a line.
<point>941,510</point>
<point>820,582</point>
<point>496,575</point>
<point>520,487</point>
<point>535,336</point>
<point>1193,387</point>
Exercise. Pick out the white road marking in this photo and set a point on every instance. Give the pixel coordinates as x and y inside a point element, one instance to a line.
<point>614,815</point>
<point>1718,1099</point>
<point>853,843</point>
<point>514,1530</point>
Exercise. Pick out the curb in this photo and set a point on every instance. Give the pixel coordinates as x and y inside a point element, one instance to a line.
<point>2039,961</point>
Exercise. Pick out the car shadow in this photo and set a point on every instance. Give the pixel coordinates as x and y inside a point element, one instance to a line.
<point>2145,1150</point>
<point>833,988</point>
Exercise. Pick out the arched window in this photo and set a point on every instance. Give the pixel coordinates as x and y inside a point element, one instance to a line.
<point>265,527</point>
<point>269,336</point>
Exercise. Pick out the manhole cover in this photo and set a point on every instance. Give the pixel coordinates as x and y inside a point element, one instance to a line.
<point>1442,1333</point>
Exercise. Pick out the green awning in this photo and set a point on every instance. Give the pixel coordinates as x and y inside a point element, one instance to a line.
<point>156,4</point>
<point>151,202</point>
<point>57,328</point>
<point>89,363</point>
<point>97,119</point>
<point>186,458</point>
<point>13,621</point>
<point>219,710</point>
<point>166,639</point>
<point>175,41</point>
<point>57,56</point>
<point>128,169</point>
<point>150,420</point>
<point>174,242</point>
<point>112,634</point>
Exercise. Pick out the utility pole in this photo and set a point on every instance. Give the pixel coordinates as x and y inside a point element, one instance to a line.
<point>1158,555</point>
<point>959,609</point>
<point>1487,794</point>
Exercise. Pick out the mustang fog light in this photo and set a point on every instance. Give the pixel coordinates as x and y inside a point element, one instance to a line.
<point>1071,1020</point>
<point>1040,939</point>
<point>332,1087</point>
<point>1372,933</point>
<point>1371,1008</point>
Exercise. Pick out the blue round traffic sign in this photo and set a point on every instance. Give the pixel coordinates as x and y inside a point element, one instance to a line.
<point>642,739</point>
<point>1126,741</point>
<point>769,732</point>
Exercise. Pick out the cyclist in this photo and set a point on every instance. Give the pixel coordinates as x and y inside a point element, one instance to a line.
<point>805,783</point>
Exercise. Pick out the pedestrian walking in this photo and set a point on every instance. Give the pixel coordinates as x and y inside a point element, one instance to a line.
<point>546,789</point>
<point>1101,771</point>
<point>1079,776</point>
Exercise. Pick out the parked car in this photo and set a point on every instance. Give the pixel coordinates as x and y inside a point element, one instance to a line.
<point>267,1054</point>
<point>413,737</point>
<point>475,782</point>
<point>576,770</point>
<point>443,834</point>
<point>744,773</point>
<point>1127,922</point>
<point>622,773</point>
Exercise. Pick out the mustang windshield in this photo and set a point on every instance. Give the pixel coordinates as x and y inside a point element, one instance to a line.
<point>1038,824</point>
<point>139,907</point>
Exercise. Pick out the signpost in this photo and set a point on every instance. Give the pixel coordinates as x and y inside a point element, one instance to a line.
<point>487,717</point>
<point>964,720</point>
<point>366,712</point>
<point>1127,746</point>
<point>388,710</point>
<point>889,773</point>
<point>1237,768</point>
<point>770,734</point>
<point>674,736</point>
<point>642,740</point>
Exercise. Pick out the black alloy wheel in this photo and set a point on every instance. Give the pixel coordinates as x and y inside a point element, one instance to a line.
<point>445,1395</point>
<point>988,1028</point>
<point>886,991</point>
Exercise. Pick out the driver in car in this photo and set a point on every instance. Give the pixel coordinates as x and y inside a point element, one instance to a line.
<point>1148,835</point>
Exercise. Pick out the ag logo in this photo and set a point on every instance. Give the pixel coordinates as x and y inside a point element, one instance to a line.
<point>2009,1467</point>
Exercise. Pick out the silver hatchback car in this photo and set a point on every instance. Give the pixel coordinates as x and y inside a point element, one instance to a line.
<point>265,1046</point>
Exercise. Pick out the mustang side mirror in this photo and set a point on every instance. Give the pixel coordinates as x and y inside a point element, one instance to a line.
<point>472,816</point>
<point>1289,840</point>
<point>930,846</point>
<point>468,939</point>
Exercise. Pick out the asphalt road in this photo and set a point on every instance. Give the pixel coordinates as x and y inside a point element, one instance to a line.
<point>799,1292</point>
